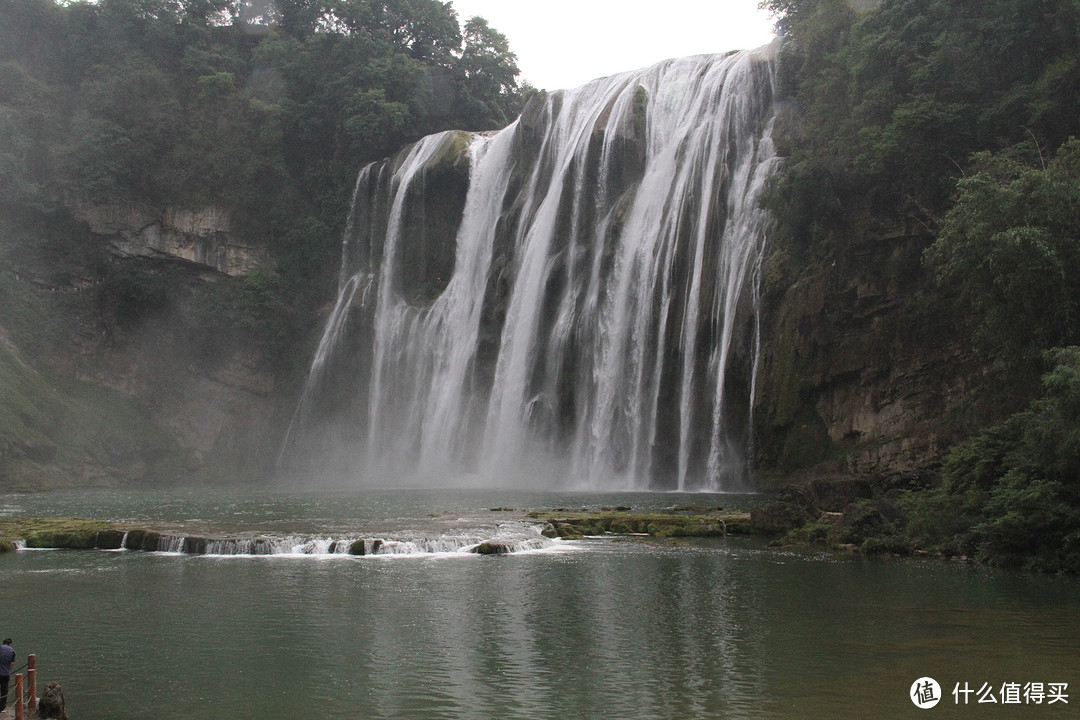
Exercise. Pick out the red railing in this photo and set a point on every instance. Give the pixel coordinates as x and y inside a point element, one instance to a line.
<point>22,703</point>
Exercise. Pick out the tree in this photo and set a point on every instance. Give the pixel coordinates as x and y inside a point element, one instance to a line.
<point>893,97</point>
<point>1010,246</point>
<point>490,74</point>
<point>209,12</point>
<point>426,30</point>
<point>1020,481</point>
<point>125,124</point>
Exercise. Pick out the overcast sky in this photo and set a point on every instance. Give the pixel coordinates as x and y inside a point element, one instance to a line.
<point>565,43</point>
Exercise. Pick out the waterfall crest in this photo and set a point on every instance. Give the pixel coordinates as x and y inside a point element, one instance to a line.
<point>571,302</point>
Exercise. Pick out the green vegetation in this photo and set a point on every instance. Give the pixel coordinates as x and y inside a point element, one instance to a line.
<point>265,110</point>
<point>957,123</point>
<point>1010,245</point>
<point>890,99</point>
<point>67,533</point>
<point>1012,494</point>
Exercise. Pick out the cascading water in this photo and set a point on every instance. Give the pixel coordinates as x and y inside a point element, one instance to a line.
<point>570,302</point>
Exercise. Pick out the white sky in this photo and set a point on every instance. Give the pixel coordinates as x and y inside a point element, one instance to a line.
<point>566,43</point>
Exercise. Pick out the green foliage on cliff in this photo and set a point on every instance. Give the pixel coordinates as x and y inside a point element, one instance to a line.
<point>267,109</point>
<point>955,124</point>
<point>890,98</point>
<point>1011,495</point>
<point>1010,246</point>
<point>945,123</point>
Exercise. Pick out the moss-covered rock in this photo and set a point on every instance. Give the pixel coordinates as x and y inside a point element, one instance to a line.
<point>194,545</point>
<point>58,432</point>
<point>805,441</point>
<point>70,533</point>
<point>567,531</point>
<point>434,206</point>
<point>68,540</point>
<point>492,547</point>
<point>575,525</point>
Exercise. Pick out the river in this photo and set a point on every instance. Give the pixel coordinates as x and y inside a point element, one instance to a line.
<point>600,627</point>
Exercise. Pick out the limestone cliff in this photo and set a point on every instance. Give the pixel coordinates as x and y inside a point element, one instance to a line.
<point>862,371</point>
<point>200,235</point>
<point>112,369</point>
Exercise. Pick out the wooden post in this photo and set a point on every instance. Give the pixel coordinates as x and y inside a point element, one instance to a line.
<point>31,678</point>
<point>18,697</point>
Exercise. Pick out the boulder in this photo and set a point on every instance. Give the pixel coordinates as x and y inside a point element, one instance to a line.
<point>492,547</point>
<point>194,545</point>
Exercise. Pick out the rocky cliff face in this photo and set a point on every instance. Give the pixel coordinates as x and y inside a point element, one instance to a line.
<point>862,372</point>
<point>202,236</point>
<point>219,408</point>
<point>108,374</point>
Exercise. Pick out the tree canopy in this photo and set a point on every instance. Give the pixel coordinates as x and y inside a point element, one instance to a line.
<point>892,97</point>
<point>265,108</point>
<point>1010,246</point>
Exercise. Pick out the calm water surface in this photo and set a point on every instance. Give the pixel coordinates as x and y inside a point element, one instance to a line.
<point>611,628</point>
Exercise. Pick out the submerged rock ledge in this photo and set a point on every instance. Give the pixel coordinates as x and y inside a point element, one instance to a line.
<point>695,522</point>
<point>89,534</point>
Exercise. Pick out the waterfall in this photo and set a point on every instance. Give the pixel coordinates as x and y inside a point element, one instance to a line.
<point>570,302</point>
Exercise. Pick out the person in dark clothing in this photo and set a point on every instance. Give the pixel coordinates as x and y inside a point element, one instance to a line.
<point>7,662</point>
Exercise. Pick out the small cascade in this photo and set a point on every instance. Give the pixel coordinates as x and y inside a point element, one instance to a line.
<point>508,538</point>
<point>171,544</point>
<point>572,302</point>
